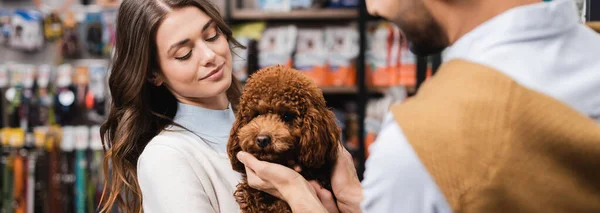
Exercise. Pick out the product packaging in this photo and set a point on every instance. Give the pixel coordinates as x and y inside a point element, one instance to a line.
<point>343,49</point>
<point>311,55</point>
<point>5,26</point>
<point>408,68</point>
<point>52,26</point>
<point>95,97</point>
<point>247,35</point>
<point>381,62</point>
<point>26,33</point>
<point>277,45</point>
<point>94,33</point>
<point>70,41</point>
<point>109,31</point>
<point>275,5</point>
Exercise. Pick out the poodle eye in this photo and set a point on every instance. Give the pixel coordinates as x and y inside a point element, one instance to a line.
<point>287,117</point>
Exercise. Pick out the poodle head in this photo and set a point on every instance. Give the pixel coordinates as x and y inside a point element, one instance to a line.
<point>282,118</point>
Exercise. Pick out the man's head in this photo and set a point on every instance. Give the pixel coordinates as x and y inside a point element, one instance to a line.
<point>417,22</point>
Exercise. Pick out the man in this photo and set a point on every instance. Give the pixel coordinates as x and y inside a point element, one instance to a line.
<point>504,126</point>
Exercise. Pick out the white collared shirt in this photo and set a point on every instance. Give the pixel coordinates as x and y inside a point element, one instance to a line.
<point>541,46</point>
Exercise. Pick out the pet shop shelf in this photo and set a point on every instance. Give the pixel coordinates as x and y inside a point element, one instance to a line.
<point>317,14</point>
<point>351,90</point>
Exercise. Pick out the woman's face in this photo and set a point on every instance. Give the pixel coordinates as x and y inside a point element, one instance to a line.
<point>194,57</point>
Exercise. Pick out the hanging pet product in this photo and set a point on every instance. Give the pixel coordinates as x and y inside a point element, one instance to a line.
<point>109,30</point>
<point>6,163</point>
<point>94,28</point>
<point>44,97</point>
<point>5,26</point>
<point>17,141</point>
<point>95,96</point>
<point>53,138</point>
<point>67,170</point>
<point>64,106</point>
<point>96,157</point>
<point>13,95</point>
<point>28,77</point>
<point>3,84</point>
<point>27,33</point>
<point>82,136</point>
<point>70,46</point>
<point>32,158</point>
<point>41,170</point>
<point>52,26</point>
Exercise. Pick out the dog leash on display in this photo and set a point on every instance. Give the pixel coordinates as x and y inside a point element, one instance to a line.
<point>4,148</point>
<point>54,176</point>
<point>32,157</point>
<point>41,170</point>
<point>67,170</point>
<point>81,145</point>
<point>95,167</point>
<point>6,162</point>
<point>20,171</point>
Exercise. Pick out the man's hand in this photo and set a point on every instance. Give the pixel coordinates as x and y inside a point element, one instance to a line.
<point>345,183</point>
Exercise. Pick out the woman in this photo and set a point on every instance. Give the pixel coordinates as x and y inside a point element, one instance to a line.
<point>173,92</point>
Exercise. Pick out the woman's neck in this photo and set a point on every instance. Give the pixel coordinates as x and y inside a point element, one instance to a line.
<point>219,102</point>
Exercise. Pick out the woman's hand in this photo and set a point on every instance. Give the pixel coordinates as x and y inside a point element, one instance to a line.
<point>281,182</point>
<point>269,177</point>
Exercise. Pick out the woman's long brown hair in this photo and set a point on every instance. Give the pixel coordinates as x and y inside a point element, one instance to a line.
<point>139,110</point>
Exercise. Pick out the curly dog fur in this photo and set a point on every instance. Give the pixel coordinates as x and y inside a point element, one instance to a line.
<point>282,118</point>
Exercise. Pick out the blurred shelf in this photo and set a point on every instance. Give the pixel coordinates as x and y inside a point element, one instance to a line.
<point>354,90</point>
<point>339,90</point>
<point>314,14</point>
<point>595,25</point>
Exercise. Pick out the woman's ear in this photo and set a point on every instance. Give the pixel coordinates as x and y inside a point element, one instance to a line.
<point>156,79</point>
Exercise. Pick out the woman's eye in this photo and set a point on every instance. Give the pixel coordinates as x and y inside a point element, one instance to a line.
<point>215,37</point>
<point>185,57</point>
<point>214,30</point>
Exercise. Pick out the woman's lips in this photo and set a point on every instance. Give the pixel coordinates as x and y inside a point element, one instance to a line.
<point>215,74</point>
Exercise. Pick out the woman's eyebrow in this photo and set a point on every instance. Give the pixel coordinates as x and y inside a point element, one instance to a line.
<point>178,44</point>
<point>207,25</point>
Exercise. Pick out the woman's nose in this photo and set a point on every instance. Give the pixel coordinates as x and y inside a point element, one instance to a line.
<point>207,55</point>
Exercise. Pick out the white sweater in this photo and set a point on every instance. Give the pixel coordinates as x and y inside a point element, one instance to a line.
<point>180,173</point>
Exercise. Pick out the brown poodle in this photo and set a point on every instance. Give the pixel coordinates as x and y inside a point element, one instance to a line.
<point>282,118</point>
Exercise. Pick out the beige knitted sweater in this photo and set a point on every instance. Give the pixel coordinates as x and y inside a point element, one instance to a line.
<point>492,145</point>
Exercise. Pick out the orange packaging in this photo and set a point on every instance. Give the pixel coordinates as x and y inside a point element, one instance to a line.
<point>342,52</point>
<point>380,55</point>
<point>311,55</point>
<point>408,68</point>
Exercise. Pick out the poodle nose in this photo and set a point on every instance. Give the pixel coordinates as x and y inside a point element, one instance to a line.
<point>263,140</point>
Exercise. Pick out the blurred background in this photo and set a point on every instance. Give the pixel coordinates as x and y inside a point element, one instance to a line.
<point>55,55</point>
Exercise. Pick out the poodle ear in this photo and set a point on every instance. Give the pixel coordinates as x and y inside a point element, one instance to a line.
<point>320,138</point>
<point>233,145</point>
